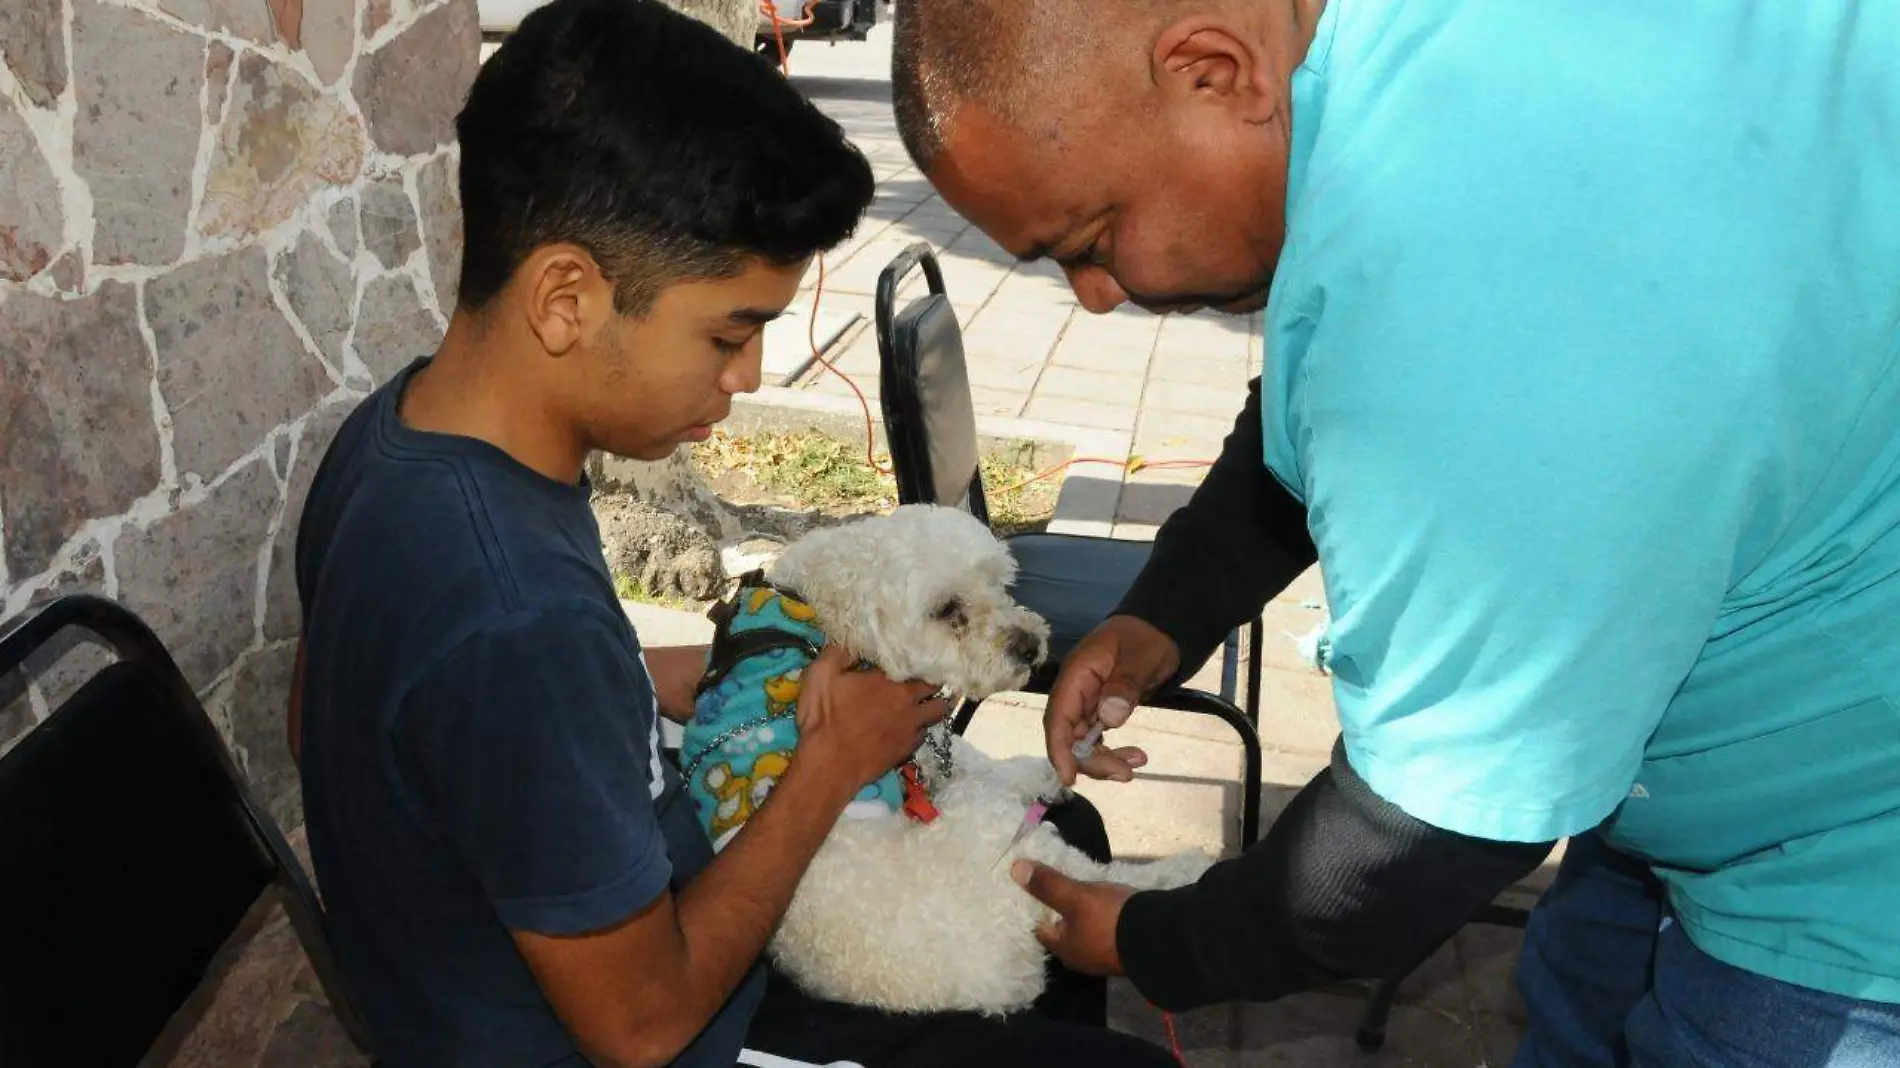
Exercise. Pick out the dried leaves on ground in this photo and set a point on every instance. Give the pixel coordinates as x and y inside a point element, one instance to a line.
<point>790,481</point>
<point>815,470</point>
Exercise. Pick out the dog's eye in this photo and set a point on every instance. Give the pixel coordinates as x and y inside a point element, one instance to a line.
<point>949,611</point>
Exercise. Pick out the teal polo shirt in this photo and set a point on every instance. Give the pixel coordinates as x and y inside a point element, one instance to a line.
<point>1582,354</point>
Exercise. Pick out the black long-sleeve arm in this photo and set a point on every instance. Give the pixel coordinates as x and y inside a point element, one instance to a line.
<point>1237,542</point>
<point>1344,885</point>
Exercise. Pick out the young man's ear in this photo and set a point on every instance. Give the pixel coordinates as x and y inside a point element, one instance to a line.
<point>565,298</point>
<point>1206,59</point>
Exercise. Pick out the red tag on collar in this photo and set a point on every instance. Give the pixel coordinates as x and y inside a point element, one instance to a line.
<point>917,804</point>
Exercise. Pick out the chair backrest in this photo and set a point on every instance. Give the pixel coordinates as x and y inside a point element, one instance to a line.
<point>130,850</point>
<point>924,387</point>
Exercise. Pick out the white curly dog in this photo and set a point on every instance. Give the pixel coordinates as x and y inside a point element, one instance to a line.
<point>912,916</point>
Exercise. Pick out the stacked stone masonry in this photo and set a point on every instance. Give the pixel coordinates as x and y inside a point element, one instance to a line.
<point>222,222</point>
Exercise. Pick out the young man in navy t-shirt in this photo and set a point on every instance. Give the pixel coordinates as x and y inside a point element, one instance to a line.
<point>511,869</point>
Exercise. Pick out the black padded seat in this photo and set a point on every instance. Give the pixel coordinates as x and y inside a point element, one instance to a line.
<point>132,852</point>
<point>1074,582</point>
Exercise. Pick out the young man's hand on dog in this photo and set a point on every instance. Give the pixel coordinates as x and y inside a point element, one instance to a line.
<point>1102,681</point>
<point>857,725</point>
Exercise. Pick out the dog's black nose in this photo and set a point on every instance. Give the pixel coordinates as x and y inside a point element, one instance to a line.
<point>1024,647</point>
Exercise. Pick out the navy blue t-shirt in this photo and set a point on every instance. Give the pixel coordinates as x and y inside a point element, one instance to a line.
<point>480,743</point>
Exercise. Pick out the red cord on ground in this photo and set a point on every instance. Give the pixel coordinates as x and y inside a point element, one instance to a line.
<point>770,10</point>
<point>1174,1039</point>
<point>1130,465</point>
<point>811,335</point>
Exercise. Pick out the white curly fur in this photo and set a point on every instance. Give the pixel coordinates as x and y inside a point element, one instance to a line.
<point>912,917</point>
<point>880,586</point>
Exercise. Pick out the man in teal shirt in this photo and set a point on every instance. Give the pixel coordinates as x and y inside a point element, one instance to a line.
<point>1582,385</point>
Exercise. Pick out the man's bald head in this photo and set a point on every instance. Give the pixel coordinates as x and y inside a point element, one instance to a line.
<point>1014,59</point>
<point>1142,144</point>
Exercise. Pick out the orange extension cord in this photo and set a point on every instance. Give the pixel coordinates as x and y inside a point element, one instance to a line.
<point>1131,465</point>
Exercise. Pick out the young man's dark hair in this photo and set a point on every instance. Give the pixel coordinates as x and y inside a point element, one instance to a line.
<point>511,868</point>
<point>626,128</point>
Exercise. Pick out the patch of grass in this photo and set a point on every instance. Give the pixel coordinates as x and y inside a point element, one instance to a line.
<point>812,468</point>
<point>627,589</point>
<point>1018,505</point>
<point>818,470</point>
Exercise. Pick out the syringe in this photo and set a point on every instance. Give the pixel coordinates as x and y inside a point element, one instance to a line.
<point>1086,746</point>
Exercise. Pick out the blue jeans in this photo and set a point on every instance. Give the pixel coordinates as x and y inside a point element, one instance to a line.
<point>1611,981</point>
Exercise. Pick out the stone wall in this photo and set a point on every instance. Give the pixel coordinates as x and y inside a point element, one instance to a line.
<point>221,223</point>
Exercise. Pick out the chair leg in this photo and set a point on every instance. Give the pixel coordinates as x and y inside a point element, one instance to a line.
<point>1207,704</point>
<point>1230,666</point>
<point>1370,1037</point>
<point>1502,916</point>
<point>960,720</point>
<point>1371,1034</point>
<point>1250,790</point>
<point>1256,632</point>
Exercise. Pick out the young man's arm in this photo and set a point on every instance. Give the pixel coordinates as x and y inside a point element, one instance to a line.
<point>636,994</point>
<point>519,747</point>
<point>676,670</point>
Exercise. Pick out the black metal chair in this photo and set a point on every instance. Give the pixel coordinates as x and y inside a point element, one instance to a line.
<point>131,852</point>
<point>1072,581</point>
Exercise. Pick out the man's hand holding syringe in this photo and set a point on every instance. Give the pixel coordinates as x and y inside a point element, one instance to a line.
<point>1102,681</point>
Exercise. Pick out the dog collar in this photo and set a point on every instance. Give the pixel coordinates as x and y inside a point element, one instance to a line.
<point>917,803</point>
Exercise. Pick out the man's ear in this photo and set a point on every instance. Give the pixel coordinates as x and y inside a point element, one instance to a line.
<point>1206,58</point>
<point>565,297</point>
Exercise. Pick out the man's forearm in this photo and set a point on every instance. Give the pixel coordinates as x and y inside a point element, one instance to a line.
<point>1344,885</point>
<point>1240,539</point>
<point>675,671</point>
<point>728,912</point>
<point>640,993</point>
